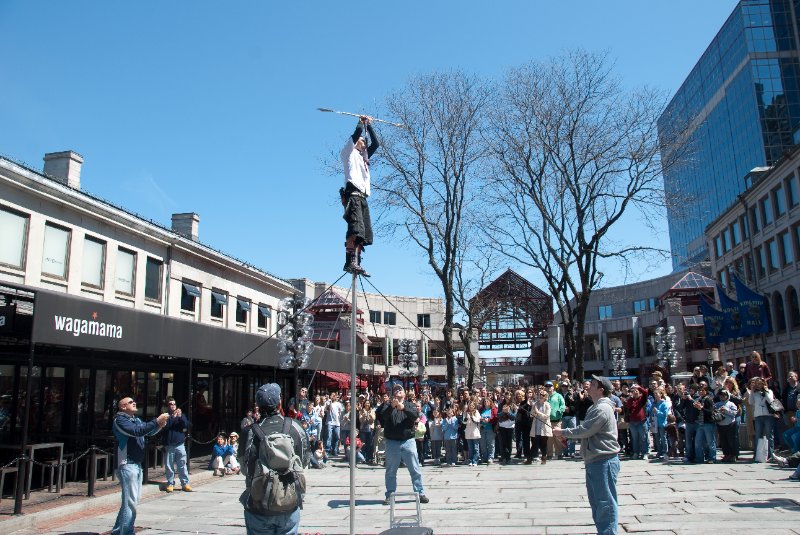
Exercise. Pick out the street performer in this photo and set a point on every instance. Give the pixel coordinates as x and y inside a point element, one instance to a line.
<point>355,158</point>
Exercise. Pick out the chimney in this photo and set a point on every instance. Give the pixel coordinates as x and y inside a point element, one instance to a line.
<point>186,225</point>
<point>65,167</point>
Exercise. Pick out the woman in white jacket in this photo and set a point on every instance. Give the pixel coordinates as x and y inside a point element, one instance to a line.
<point>758,396</point>
<point>472,418</point>
<point>540,429</point>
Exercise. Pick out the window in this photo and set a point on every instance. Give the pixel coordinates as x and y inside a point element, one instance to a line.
<point>791,188</point>
<point>718,246</point>
<point>640,306</point>
<point>749,268</point>
<point>726,240</point>
<point>218,300</point>
<point>780,201</point>
<point>263,314</point>
<point>126,268</point>
<point>94,252</point>
<point>152,279</point>
<point>423,320</point>
<point>604,311</point>
<point>389,318</point>
<point>722,277</point>
<point>55,257</point>
<point>755,224</point>
<point>766,211</point>
<point>744,226</point>
<point>14,230</point>
<point>242,308</point>
<point>774,262</point>
<point>737,235</point>
<point>762,262</point>
<point>190,293</point>
<point>786,248</point>
<point>375,316</point>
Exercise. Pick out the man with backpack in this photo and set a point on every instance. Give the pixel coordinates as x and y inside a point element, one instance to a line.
<point>275,452</point>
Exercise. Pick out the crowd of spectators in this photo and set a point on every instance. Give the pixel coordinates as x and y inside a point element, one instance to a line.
<point>689,421</point>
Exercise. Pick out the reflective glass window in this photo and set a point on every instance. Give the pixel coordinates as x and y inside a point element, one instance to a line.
<point>14,230</point>
<point>94,252</point>
<point>55,254</point>
<point>126,267</point>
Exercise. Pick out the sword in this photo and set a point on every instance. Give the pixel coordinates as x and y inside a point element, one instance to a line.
<point>400,125</point>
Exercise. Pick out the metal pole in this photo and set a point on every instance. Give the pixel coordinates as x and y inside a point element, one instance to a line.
<point>25,464</point>
<point>353,339</point>
<point>191,402</point>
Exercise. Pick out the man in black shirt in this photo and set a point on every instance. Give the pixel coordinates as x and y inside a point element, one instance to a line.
<point>399,419</point>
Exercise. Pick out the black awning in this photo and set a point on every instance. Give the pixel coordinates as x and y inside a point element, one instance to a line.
<point>244,305</point>
<point>191,289</point>
<point>221,298</point>
<point>66,320</point>
<point>265,311</point>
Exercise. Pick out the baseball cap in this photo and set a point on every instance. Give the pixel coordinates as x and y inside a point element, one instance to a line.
<point>396,388</point>
<point>268,396</point>
<point>549,383</point>
<point>603,381</point>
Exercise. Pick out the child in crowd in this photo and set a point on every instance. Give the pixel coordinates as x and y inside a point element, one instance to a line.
<point>221,455</point>
<point>318,457</point>
<point>472,419</point>
<point>450,431</point>
<point>672,436</point>
<point>359,455</point>
<point>232,466</point>
<point>419,433</point>
<point>437,437</point>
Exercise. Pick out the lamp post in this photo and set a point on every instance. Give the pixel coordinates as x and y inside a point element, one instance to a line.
<point>294,336</point>
<point>407,358</point>
<point>665,348</point>
<point>619,361</point>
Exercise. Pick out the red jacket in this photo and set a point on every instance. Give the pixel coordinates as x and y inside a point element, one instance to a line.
<point>635,407</point>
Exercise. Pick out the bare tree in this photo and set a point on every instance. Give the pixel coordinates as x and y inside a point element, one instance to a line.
<point>432,168</point>
<point>573,152</point>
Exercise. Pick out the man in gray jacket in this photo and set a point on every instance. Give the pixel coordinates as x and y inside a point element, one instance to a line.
<point>600,450</point>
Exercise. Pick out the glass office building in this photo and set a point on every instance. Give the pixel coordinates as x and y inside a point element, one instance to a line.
<point>738,109</point>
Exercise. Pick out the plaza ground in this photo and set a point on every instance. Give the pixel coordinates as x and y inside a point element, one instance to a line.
<point>655,498</point>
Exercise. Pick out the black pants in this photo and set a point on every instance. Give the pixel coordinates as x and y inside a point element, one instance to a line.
<point>727,441</point>
<point>506,435</point>
<point>539,447</point>
<point>526,441</point>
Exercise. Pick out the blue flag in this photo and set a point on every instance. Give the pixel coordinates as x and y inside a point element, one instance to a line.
<point>752,308</point>
<point>730,312</point>
<point>713,323</point>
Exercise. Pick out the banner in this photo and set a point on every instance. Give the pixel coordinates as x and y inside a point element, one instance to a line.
<point>730,312</point>
<point>753,309</point>
<point>713,323</point>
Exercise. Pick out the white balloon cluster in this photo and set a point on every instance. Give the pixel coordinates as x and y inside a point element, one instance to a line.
<point>665,346</point>
<point>295,332</point>
<point>407,357</point>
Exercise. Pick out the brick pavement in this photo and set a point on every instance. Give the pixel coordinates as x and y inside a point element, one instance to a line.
<point>655,498</point>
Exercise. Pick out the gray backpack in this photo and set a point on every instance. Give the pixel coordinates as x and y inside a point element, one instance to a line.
<point>278,481</point>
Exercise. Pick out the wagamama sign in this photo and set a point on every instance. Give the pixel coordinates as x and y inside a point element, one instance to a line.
<point>91,327</point>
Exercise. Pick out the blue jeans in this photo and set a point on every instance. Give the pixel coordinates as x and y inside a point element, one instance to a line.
<point>638,432</point>
<point>285,524</point>
<point>705,443</point>
<point>689,438</point>
<point>332,442</point>
<point>764,427</point>
<point>601,485</point>
<point>176,454</point>
<point>791,437</point>
<point>474,450</point>
<point>407,451</point>
<point>130,481</point>
<point>487,443</point>
<point>366,438</point>
<point>569,422</point>
<point>661,441</point>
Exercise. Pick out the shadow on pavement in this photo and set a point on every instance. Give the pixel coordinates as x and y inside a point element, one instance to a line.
<point>336,504</point>
<point>769,504</point>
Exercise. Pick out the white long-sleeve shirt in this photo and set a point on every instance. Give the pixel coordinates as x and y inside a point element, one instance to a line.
<point>356,170</point>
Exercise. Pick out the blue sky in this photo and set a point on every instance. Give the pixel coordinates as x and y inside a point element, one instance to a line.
<point>210,107</point>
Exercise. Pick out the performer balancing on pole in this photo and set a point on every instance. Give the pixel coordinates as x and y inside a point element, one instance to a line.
<point>355,158</point>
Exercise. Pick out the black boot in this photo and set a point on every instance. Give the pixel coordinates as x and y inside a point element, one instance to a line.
<point>362,271</point>
<point>350,263</point>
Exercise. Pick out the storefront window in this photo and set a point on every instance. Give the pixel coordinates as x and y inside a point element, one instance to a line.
<point>105,400</point>
<point>53,396</point>
<point>6,397</point>
<point>84,386</point>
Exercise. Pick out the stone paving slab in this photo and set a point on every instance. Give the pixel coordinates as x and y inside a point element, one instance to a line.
<point>656,499</point>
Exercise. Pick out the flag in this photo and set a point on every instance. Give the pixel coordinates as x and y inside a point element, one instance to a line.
<point>752,308</point>
<point>730,312</point>
<point>713,323</point>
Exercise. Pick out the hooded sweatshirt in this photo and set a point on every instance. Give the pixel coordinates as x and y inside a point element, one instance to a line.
<point>598,432</point>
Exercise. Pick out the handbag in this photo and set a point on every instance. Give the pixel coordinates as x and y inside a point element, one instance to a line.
<point>775,406</point>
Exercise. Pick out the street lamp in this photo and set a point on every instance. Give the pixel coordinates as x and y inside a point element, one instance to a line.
<point>666,353</point>
<point>407,358</point>
<point>619,361</point>
<point>294,336</point>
